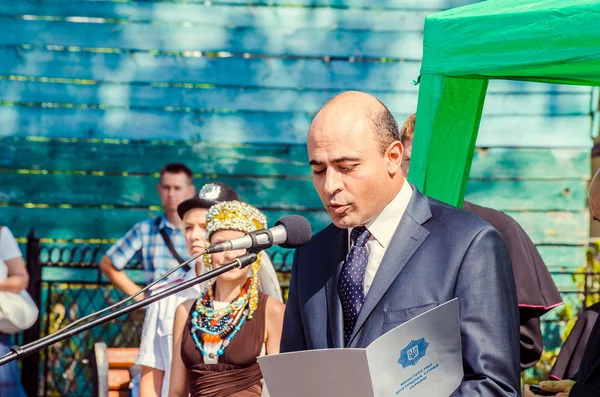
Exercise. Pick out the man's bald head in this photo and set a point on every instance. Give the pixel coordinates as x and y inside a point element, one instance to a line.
<point>359,105</point>
<point>595,195</point>
<point>355,154</point>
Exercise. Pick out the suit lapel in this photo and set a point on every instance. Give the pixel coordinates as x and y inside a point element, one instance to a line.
<point>408,237</point>
<point>339,248</point>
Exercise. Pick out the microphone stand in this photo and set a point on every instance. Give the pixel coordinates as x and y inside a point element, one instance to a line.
<point>18,352</point>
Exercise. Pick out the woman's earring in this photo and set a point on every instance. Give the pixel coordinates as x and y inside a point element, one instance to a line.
<point>207,261</point>
<point>253,293</point>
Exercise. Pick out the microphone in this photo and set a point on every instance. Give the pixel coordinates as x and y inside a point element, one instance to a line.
<point>289,232</point>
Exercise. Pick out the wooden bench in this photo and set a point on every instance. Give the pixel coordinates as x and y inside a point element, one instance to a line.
<point>112,369</point>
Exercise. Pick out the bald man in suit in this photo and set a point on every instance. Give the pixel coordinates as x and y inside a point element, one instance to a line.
<point>392,253</point>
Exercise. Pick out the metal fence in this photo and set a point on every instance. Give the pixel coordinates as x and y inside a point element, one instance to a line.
<point>590,282</point>
<point>67,284</point>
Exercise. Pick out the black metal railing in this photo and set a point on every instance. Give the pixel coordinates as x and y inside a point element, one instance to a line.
<point>67,284</point>
<point>588,281</point>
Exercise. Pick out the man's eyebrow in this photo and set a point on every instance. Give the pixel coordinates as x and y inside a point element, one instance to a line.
<point>345,159</point>
<point>335,161</point>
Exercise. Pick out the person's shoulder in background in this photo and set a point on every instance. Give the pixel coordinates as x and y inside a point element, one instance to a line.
<point>9,248</point>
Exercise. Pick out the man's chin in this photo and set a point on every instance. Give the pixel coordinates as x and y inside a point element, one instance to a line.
<point>170,209</point>
<point>342,221</point>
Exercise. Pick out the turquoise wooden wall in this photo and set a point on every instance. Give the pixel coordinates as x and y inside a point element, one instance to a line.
<point>95,96</point>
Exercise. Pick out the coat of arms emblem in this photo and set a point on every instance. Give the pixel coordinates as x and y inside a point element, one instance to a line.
<point>413,352</point>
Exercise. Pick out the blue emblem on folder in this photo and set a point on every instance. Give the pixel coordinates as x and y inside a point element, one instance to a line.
<point>413,352</point>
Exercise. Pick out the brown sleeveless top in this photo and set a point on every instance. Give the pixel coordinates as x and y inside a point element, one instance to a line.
<point>237,373</point>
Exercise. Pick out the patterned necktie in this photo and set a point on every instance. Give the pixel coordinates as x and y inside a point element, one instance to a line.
<point>350,286</point>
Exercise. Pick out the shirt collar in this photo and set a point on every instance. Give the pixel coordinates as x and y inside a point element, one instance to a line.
<point>383,227</point>
<point>164,222</point>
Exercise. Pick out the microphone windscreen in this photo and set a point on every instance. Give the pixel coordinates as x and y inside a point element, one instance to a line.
<point>298,230</point>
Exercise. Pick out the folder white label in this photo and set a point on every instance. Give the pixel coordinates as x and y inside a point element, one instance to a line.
<point>421,357</point>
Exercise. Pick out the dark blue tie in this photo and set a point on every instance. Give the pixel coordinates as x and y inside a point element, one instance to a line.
<point>352,276</point>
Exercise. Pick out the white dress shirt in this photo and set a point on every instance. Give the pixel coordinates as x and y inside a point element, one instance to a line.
<point>156,348</point>
<point>382,230</point>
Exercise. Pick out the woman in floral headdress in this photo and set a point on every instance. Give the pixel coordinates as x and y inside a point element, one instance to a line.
<point>217,337</point>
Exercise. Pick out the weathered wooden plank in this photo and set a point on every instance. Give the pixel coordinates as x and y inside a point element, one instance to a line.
<point>263,99</point>
<point>523,195</point>
<point>531,163</point>
<point>384,4</point>
<point>569,228</point>
<point>497,86</point>
<point>236,71</point>
<point>524,131</point>
<point>258,127</point>
<point>148,157</point>
<point>217,98</point>
<point>264,127</point>
<point>206,14</point>
<point>235,159</point>
<point>568,283</point>
<point>557,257</point>
<point>562,228</point>
<point>267,41</point>
<point>98,223</point>
<point>297,73</point>
<point>267,192</point>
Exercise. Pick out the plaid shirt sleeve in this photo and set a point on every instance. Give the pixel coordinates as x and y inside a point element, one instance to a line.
<point>124,250</point>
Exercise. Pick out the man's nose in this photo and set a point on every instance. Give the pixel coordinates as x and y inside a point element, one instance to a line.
<point>333,182</point>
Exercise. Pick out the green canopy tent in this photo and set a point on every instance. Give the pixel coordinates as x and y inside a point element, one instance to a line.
<point>552,41</point>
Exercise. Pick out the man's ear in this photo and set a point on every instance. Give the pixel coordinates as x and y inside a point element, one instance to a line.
<point>394,156</point>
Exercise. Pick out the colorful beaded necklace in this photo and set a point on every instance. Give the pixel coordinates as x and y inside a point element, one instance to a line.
<point>219,326</point>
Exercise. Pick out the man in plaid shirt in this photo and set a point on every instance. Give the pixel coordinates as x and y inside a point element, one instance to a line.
<point>144,241</point>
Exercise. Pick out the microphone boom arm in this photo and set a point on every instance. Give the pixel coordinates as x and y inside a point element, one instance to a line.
<point>18,352</point>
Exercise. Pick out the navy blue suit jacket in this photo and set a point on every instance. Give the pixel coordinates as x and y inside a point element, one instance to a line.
<point>437,253</point>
